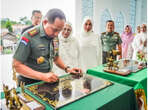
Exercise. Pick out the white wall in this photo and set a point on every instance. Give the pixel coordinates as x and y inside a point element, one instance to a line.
<point>114,7</point>
<point>141,12</point>
<point>138,12</point>
<point>78,16</point>
<point>144,12</point>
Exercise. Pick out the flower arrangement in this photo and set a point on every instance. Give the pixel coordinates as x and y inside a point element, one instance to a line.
<point>141,56</point>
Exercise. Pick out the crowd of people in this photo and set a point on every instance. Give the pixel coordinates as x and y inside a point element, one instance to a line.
<point>134,43</point>
<point>89,50</point>
<point>52,40</point>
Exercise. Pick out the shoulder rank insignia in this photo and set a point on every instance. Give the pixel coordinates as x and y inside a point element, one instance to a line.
<point>33,32</point>
<point>103,33</point>
<point>116,33</point>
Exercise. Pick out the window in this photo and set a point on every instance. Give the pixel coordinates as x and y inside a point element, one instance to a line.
<point>87,8</point>
<point>104,17</point>
<point>132,14</point>
<point>119,23</point>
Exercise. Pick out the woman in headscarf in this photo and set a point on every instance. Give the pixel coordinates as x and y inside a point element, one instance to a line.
<point>127,38</point>
<point>90,46</point>
<point>140,43</point>
<point>68,48</point>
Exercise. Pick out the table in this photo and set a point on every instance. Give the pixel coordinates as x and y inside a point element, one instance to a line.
<point>115,97</point>
<point>136,80</point>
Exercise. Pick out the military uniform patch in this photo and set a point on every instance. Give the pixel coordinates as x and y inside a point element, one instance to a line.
<point>24,40</point>
<point>33,32</point>
<point>41,45</point>
<point>116,33</point>
<point>56,44</point>
<point>40,60</point>
<point>103,33</point>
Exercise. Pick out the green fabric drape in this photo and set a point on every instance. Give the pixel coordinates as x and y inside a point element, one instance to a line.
<point>135,80</point>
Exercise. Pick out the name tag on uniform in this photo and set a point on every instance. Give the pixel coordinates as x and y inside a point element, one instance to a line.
<point>42,49</point>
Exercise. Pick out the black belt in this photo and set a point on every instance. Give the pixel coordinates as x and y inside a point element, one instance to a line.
<point>25,80</point>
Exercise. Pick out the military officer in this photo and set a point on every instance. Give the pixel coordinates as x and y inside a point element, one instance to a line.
<point>110,40</point>
<point>35,19</point>
<point>38,49</point>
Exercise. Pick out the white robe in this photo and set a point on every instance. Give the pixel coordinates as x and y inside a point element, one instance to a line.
<point>90,51</point>
<point>137,46</point>
<point>69,52</point>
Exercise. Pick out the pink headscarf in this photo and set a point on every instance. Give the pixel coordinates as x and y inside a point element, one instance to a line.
<point>127,38</point>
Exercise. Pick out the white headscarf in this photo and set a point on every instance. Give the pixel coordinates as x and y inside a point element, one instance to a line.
<point>90,47</point>
<point>69,38</point>
<point>83,32</point>
<point>68,51</point>
<point>136,44</point>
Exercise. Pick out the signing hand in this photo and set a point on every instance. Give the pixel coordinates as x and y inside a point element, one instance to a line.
<point>50,77</point>
<point>75,70</point>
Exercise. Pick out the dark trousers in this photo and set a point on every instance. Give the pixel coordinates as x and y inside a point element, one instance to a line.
<point>25,80</point>
<point>105,55</point>
<point>104,60</point>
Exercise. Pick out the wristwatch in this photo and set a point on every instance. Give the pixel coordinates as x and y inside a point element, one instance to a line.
<point>65,69</point>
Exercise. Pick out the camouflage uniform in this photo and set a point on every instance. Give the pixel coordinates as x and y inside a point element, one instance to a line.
<point>109,41</point>
<point>35,44</point>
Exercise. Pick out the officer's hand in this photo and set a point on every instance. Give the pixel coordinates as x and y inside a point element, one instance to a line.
<point>50,77</point>
<point>75,71</point>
